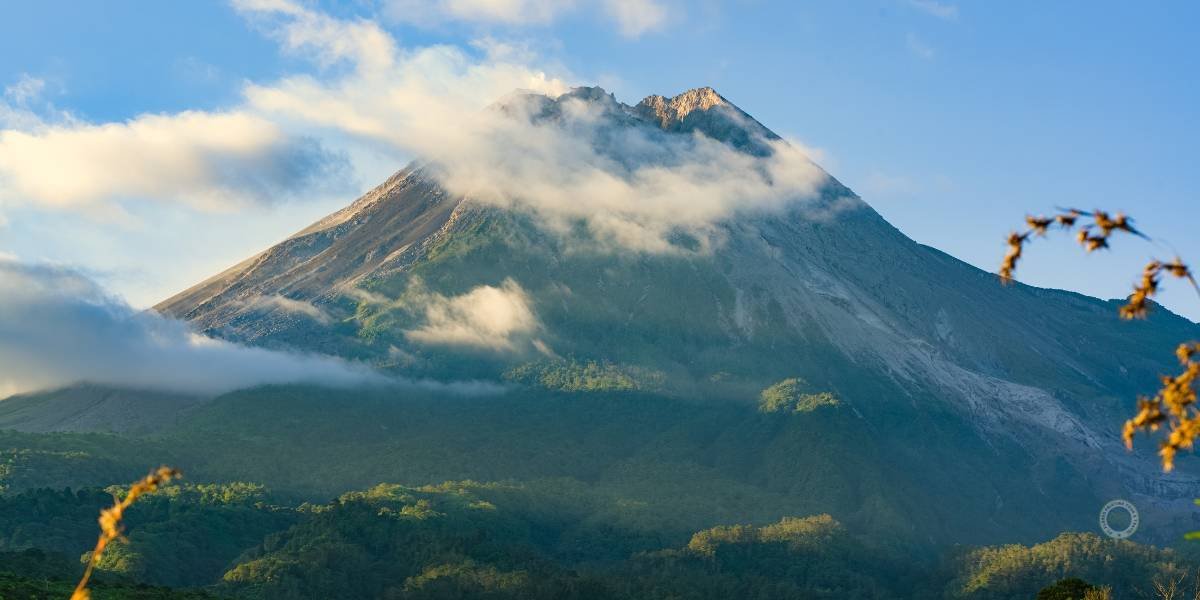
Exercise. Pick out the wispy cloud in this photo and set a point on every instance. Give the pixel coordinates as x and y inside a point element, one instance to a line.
<point>633,18</point>
<point>276,302</point>
<point>636,17</point>
<point>196,71</point>
<point>22,101</point>
<point>509,12</point>
<point>941,10</point>
<point>918,47</point>
<point>57,327</point>
<point>25,90</point>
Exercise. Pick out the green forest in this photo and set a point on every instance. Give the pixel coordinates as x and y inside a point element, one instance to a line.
<point>494,540</point>
<point>611,494</point>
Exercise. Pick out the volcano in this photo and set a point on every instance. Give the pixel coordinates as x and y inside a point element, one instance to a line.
<point>1001,405</point>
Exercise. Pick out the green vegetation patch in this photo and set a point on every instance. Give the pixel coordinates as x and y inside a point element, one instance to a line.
<point>1017,571</point>
<point>791,396</point>
<point>809,532</point>
<point>588,376</point>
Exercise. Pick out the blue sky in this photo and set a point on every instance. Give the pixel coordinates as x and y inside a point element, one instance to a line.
<point>953,119</point>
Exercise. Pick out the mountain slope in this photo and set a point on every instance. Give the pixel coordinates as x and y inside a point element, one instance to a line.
<point>95,408</point>
<point>938,361</point>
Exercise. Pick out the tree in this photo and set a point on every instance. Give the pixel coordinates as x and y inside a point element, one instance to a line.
<point>1072,588</point>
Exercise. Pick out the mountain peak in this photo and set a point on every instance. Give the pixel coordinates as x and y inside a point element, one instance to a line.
<point>699,109</point>
<point>670,111</point>
<point>703,109</point>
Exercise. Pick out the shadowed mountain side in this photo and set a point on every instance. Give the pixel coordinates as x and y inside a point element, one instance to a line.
<point>86,408</point>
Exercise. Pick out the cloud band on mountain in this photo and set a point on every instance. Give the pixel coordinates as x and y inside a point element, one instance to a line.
<point>57,327</point>
<point>632,186</point>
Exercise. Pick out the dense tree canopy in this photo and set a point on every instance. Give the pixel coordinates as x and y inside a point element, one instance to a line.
<point>509,540</point>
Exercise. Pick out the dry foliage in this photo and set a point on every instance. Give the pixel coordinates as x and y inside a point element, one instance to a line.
<point>1091,235</point>
<point>110,521</point>
<point>1174,406</point>
<point>1176,587</point>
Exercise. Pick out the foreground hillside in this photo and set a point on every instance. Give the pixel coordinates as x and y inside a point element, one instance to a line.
<point>465,539</point>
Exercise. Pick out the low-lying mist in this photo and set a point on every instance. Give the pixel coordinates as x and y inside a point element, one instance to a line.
<point>58,327</point>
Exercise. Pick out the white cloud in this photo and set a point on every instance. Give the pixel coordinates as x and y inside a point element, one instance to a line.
<point>636,17</point>
<point>375,97</point>
<point>634,192</point>
<point>941,10</point>
<point>210,161</point>
<point>408,98</point>
<point>57,327</point>
<point>487,317</point>
<point>205,160</point>
<point>633,18</point>
<point>329,40</point>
